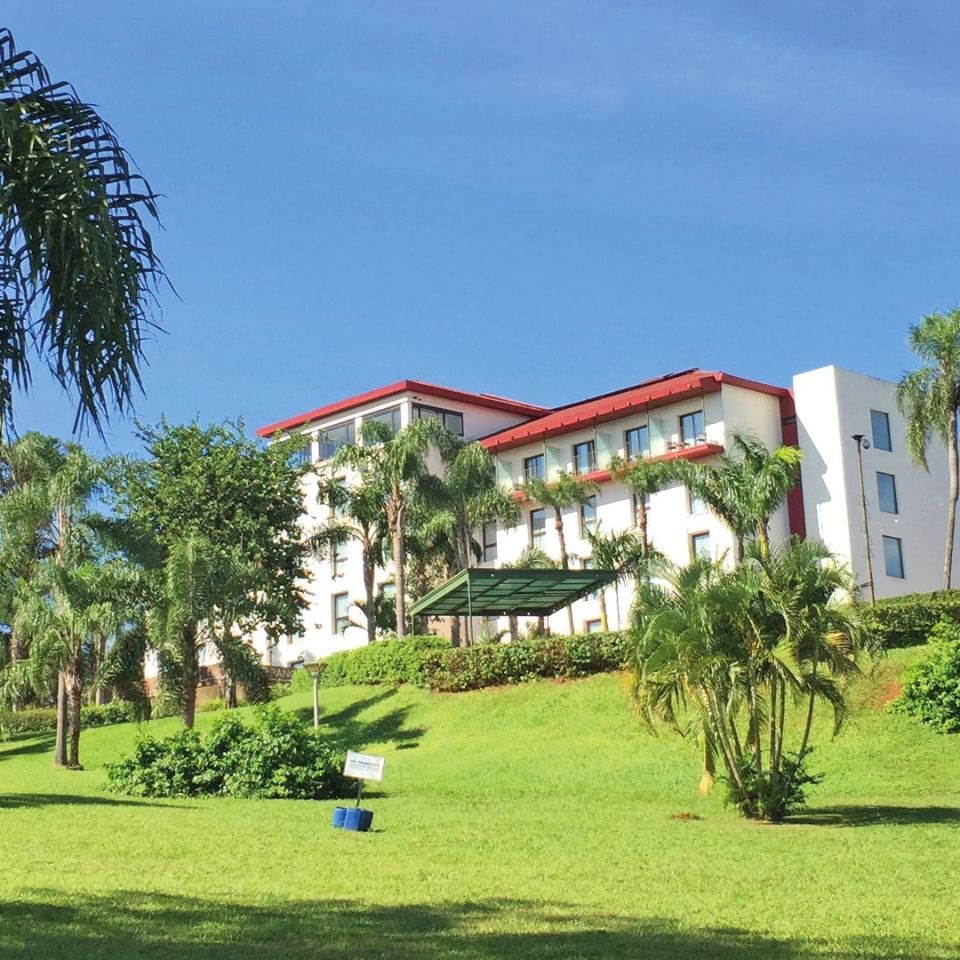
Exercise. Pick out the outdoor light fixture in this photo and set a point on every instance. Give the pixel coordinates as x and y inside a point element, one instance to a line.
<point>864,444</point>
<point>314,668</point>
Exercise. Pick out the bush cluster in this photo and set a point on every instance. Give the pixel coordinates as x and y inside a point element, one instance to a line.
<point>909,620</point>
<point>397,660</point>
<point>277,757</point>
<point>44,719</point>
<point>931,688</point>
<point>493,664</point>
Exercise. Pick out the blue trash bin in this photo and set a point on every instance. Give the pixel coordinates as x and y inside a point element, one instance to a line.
<point>351,820</point>
<point>366,819</point>
<point>339,813</point>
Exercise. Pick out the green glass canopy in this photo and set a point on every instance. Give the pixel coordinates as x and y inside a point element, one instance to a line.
<point>519,592</point>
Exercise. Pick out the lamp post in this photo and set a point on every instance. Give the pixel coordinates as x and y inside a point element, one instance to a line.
<point>864,444</point>
<point>315,668</point>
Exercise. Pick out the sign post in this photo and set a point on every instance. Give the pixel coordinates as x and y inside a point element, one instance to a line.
<point>359,766</point>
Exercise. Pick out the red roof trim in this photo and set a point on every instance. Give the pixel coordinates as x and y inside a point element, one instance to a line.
<point>403,386</point>
<point>613,406</point>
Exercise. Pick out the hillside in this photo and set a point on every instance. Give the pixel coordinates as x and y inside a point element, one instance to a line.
<point>533,821</point>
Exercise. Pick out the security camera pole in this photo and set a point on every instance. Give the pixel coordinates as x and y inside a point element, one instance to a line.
<point>864,444</point>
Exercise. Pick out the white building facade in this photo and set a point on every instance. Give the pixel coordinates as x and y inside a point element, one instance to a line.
<point>692,415</point>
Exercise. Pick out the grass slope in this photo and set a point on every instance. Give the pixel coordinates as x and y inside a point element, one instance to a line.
<point>533,821</point>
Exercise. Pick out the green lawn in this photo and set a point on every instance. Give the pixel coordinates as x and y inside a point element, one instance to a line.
<point>533,821</point>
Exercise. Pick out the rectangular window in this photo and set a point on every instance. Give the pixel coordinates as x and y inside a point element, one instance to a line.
<point>390,417</point>
<point>893,557</point>
<point>490,541</point>
<point>584,457</point>
<point>880,428</point>
<point>333,438</point>
<point>452,420</point>
<point>887,492</point>
<point>636,442</point>
<point>593,626</point>
<point>691,428</point>
<point>538,527</point>
<point>339,559</point>
<point>588,515</point>
<point>533,468</point>
<point>695,504</point>
<point>301,455</point>
<point>700,546</point>
<point>341,611</point>
<point>588,564</point>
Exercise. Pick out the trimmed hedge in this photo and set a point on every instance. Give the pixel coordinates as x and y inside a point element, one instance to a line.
<point>909,620</point>
<point>44,719</point>
<point>383,661</point>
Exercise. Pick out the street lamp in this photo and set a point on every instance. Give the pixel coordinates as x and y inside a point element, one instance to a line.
<point>314,668</point>
<point>864,444</point>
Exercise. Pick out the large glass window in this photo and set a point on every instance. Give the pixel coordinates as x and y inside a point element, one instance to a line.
<point>584,457</point>
<point>887,492</point>
<point>333,438</point>
<point>700,545</point>
<point>893,557</point>
<point>636,442</point>
<point>538,527</point>
<point>390,417</point>
<point>339,559</point>
<point>880,428</point>
<point>691,428</point>
<point>533,468</point>
<point>695,504</point>
<point>341,613</point>
<point>588,515</point>
<point>490,541</point>
<point>452,420</point>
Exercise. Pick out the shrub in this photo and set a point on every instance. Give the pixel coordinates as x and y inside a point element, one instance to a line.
<point>909,620</point>
<point>301,681</point>
<point>397,660</point>
<point>931,688</point>
<point>279,756</point>
<point>44,719</point>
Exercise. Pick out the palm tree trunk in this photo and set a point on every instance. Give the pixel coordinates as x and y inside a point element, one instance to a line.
<point>399,554</point>
<point>60,747</point>
<point>642,527</point>
<point>370,602</point>
<point>514,623</point>
<point>190,677</point>
<point>952,502</point>
<point>564,561</point>
<point>74,688</point>
<point>604,625</point>
<point>99,696</point>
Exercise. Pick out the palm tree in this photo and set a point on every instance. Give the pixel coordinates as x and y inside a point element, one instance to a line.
<point>723,653</point>
<point>621,552</point>
<point>559,494</point>
<point>77,265</point>
<point>929,398</point>
<point>644,478</point>
<point>745,489</point>
<point>394,465</point>
<point>531,558</point>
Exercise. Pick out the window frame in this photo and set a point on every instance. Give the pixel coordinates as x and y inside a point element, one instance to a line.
<point>338,559</point>
<point>337,619</point>
<point>644,449</point>
<point>700,535</point>
<point>697,435</point>
<point>591,446</point>
<point>874,414</point>
<point>439,413</point>
<point>588,625</point>
<point>542,475</point>
<point>898,542</point>
<point>534,543</point>
<point>893,492</point>
<point>584,523</point>
<point>327,448</point>
<point>486,544</point>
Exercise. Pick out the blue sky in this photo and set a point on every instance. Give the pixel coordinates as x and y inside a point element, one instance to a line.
<point>542,200</point>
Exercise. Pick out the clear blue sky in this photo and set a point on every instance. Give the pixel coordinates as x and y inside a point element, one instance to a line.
<point>543,200</point>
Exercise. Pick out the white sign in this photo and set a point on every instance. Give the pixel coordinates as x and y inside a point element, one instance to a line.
<point>363,766</point>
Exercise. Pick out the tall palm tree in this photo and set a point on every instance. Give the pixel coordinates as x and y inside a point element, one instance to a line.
<point>745,488</point>
<point>644,478</point>
<point>565,491</point>
<point>929,398</point>
<point>77,266</point>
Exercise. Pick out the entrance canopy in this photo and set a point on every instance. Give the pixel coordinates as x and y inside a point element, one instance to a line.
<point>519,592</point>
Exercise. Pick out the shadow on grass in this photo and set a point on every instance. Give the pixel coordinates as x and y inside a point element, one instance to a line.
<point>873,816</point>
<point>12,801</point>
<point>347,726</point>
<point>152,926</point>
<point>33,744</point>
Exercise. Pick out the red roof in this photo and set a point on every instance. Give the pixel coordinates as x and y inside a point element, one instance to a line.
<point>487,400</point>
<point>612,406</point>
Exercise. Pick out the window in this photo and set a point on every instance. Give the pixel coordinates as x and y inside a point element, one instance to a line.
<point>700,546</point>
<point>538,527</point>
<point>533,468</point>
<point>893,557</point>
<point>333,438</point>
<point>338,560</point>
<point>880,428</point>
<point>588,564</point>
<point>490,541</point>
<point>588,515</point>
<point>584,457</point>
<point>695,504</point>
<point>301,455</point>
<point>887,492</point>
<point>636,442</point>
<point>452,420</point>
<point>341,610</point>
<point>592,626</point>
<point>390,417</point>
<point>691,428</point>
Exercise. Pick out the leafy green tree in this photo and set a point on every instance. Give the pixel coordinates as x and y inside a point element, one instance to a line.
<point>219,520</point>
<point>643,478</point>
<point>929,398</point>
<point>746,488</point>
<point>725,654</point>
<point>623,552</point>
<point>565,491</point>
<point>78,270</point>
